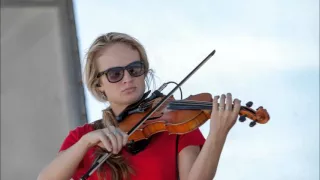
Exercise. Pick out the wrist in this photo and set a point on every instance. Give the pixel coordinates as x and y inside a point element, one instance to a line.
<point>217,137</point>
<point>83,143</point>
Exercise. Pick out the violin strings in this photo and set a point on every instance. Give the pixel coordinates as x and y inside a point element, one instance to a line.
<point>191,102</point>
<point>206,104</point>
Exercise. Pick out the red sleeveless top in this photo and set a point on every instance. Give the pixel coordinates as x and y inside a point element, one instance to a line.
<point>157,161</point>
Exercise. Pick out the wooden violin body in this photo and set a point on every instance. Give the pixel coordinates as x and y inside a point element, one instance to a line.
<point>182,116</point>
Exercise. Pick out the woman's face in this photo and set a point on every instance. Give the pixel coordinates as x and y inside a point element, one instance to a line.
<point>128,89</point>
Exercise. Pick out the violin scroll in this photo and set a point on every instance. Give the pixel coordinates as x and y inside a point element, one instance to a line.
<point>260,115</point>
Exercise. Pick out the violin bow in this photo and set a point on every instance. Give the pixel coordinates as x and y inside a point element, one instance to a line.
<point>101,160</point>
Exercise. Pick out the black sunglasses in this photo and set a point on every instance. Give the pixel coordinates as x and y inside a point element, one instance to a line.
<point>116,74</point>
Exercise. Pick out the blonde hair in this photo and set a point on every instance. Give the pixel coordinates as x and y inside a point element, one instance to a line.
<point>102,42</point>
<point>119,167</point>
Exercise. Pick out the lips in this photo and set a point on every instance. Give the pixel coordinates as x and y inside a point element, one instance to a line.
<point>129,89</point>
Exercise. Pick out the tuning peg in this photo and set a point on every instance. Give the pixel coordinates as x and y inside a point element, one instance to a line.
<point>252,123</point>
<point>242,118</point>
<point>249,104</point>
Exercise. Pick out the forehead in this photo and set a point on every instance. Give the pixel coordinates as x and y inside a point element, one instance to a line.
<point>118,54</point>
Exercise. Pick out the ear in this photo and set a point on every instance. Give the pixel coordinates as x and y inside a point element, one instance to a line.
<point>99,87</point>
<point>101,91</point>
<point>98,84</point>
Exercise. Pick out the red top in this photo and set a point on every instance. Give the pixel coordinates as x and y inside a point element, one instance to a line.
<point>157,161</point>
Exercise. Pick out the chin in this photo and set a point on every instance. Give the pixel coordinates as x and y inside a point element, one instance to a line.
<point>130,98</point>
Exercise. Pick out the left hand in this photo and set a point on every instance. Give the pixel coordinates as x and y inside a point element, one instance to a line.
<point>223,115</point>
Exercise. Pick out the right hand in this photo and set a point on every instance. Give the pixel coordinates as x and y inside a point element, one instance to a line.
<point>110,138</point>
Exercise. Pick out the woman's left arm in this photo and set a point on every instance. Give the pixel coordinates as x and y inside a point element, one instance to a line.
<point>196,164</point>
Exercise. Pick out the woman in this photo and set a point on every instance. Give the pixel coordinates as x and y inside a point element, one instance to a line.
<point>117,71</point>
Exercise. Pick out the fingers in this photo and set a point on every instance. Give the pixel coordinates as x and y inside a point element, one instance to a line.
<point>125,137</point>
<point>105,141</point>
<point>237,106</point>
<point>224,114</point>
<point>229,102</point>
<point>121,136</point>
<point>116,137</point>
<point>225,106</point>
<point>215,104</point>
<point>222,104</point>
<point>111,139</point>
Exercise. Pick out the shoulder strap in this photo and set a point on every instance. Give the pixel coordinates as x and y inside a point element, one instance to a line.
<point>177,166</point>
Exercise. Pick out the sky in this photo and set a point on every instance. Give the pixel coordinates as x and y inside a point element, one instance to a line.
<point>267,52</point>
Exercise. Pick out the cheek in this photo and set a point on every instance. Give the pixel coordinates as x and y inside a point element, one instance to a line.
<point>142,82</point>
<point>110,89</point>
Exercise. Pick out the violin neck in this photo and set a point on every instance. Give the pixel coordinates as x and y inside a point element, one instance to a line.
<point>195,105</point>
<point>189,105</point>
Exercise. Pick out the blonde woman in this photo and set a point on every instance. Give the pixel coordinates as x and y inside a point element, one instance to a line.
<point>117,71</point>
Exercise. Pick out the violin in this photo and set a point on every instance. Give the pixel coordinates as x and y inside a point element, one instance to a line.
<point>160,113</point>
<point>183,116</point>
<point>179,117</point>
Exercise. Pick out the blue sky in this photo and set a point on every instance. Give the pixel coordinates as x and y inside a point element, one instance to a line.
<point>267,52</point>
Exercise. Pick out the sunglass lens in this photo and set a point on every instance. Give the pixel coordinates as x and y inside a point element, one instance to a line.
<point>115,74</point>
<point>136,69</point>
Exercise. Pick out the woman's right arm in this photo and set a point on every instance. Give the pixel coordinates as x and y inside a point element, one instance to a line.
<point>64,166</point>
<point>66,163</point>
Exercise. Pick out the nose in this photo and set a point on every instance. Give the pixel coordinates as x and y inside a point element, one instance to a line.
<point>127,78</point>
